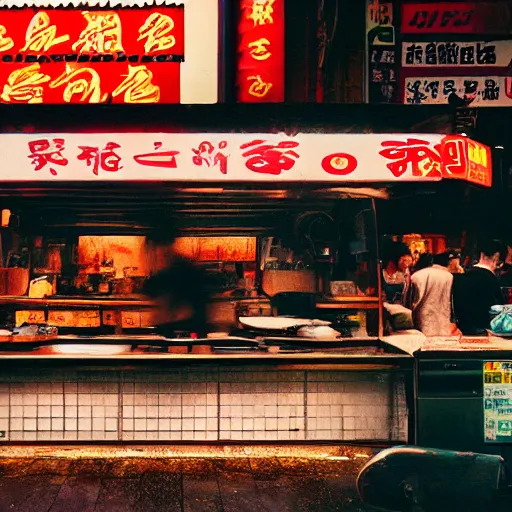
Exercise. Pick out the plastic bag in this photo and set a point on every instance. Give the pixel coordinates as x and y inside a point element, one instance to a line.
<point>502,323</point>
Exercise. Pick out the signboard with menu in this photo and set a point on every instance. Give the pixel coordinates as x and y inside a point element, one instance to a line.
<point>498,401</point>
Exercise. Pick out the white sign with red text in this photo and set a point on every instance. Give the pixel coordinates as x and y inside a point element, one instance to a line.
<point>229,157</point>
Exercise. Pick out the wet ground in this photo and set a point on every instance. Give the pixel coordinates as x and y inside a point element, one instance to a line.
<point>238,484</point>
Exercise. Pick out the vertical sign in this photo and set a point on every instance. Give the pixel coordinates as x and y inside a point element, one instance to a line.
<point>260,74</point>
<point>379,23</point>
<point>381,52</point>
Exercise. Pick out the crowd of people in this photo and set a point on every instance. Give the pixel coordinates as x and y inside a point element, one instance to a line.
<point>445,295</point>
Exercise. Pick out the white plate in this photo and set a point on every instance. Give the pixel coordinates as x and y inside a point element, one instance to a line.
<point>278,323</point>
<point>99,349</point>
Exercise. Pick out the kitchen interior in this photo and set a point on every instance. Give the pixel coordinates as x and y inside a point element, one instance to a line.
<point>294,270</point>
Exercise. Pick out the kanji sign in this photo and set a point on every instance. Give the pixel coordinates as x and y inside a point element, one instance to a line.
<point>383,73</point>
<point>453,54</point>
<point>260,73</point>
<point>454,157</point>
<point>489,91</point>
<point>228,157</point>
<point>456,18</point>
<point>379,23</point>
<point>381,52</point>
<point>121,55</point>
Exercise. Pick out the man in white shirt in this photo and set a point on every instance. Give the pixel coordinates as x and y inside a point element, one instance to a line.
<point>431,298</point>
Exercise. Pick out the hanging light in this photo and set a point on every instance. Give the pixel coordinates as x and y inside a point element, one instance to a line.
<point>6,215</point>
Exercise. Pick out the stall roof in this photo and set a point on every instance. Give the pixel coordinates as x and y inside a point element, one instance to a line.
<point>112,208</point>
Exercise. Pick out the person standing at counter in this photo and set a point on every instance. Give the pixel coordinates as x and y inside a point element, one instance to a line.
<point>181,292</point>
<point>476,291</point>
<point>181,297</point>
<point>430,298</point>
<point>396,273</point>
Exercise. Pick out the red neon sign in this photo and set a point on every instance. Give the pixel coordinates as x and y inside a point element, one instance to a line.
<point>260,74</point>
<point>454,157</point>
<point>71,56</point>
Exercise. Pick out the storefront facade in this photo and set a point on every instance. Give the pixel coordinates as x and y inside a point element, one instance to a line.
<point>107,376</point>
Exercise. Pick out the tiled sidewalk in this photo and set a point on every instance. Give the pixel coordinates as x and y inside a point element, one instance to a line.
<point>146,484</point>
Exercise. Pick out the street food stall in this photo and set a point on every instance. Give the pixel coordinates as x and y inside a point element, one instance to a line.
<point>287,227</point>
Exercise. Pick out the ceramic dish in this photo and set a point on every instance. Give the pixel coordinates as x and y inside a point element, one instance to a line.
<point>278,323</point>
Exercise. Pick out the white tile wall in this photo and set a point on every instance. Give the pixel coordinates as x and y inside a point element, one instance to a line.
<point>203,404</point>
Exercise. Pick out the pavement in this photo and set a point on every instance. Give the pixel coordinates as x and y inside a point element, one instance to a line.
<point>77,479</point>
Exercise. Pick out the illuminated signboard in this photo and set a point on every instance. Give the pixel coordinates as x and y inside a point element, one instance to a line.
<point>498,401</point>
<point>260,74</point>
<point>237,157</point>
<point>121,55</point>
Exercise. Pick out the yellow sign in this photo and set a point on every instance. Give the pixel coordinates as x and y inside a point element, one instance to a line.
<point>102,34</point>
<point>137,87</point>
<point>41,36</point>
<point>157,32</point>
<point>83,81</point>
<point>258,49</point>
<point>25,85</point>
<point>6,43</point>
<point>261,12</point>
<point>259,88</point>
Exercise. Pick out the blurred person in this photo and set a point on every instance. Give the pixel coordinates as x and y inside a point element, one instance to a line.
<point>476,291</point>
<point>430,298</point>
<point>181,292</point>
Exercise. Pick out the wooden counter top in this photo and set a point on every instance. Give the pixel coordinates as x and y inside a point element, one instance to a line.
<point>105,302</point>
<point>297,361</point>
<point>371,350</point>
<point>322,303</point>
